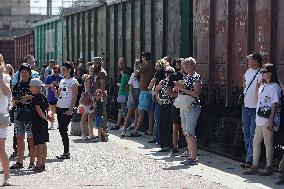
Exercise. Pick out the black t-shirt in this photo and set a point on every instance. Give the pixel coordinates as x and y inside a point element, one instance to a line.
<point>159,75</point>
<point>21,89</point>
<point>40,100</point>
<point>99,110</point>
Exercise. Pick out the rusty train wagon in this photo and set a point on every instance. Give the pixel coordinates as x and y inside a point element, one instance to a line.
<point>218,33</point>
<point>224,32</point>
<point>24,45</point>
<point>125,29</point>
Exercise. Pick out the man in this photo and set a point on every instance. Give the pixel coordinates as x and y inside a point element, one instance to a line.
<point>48,71</point>
<point>251,77</point>
<point>31,61</point>
<point>100,83</point>
<point>146,74</point>
<point>82,65</point>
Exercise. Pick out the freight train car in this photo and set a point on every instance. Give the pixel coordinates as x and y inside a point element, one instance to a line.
<point>224,33</point>
<point>7,49</point>
<point>48,40</point>
<point>24,45</point>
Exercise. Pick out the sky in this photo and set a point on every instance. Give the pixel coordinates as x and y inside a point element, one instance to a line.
<point>39,6</point>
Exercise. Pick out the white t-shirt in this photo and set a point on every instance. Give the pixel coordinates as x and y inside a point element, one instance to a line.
<point>268,95</point>
<point>250,97</point>
<point>133,81</point>
<point>3,98</point>
<point>65,96</point>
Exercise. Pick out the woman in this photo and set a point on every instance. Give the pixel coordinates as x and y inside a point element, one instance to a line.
<point>124,75</point>
<point>191,86</point>
<point>132,102</point>
<point>67,96</point>
<point>4,91</point>
<point>22,100</point>
<point>267,118</point>
<point>165,101</point>
<point>88,114</point>
<point>52,83</point>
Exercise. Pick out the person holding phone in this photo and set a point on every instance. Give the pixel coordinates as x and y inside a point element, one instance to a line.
<point>267,120</point>
<point>52,84</point>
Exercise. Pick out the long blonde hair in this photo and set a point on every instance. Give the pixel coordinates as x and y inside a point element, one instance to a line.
<point>11,73</point>
<point>2,62</point>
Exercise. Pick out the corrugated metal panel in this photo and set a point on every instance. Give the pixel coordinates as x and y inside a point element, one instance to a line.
<point>7,49</point>
<point>280,40</point>
<point>137,28</point>
<point>111,39</point>
<point>92,32</point>
<point>158,29</point>
<point>119,31</point>
<point>128,28</point>
<point>148,25</point>
<point>23,47</point>
<point>48,40</point>
<point>174,26</point>
<point>101,29</point>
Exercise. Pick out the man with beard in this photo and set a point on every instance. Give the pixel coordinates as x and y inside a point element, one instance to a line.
<point>100,83</point>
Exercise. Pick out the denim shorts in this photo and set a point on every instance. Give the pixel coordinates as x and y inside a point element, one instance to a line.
<point>145,101</point>
<point>98,122</point>
<point>21,128</point>
<point>189,119</point>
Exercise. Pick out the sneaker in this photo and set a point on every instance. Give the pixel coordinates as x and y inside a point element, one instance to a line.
<point>64,156</point>
<point>122,128</point>
<point>13,155</point>
<point>38,169</point>
<point>251,171</point>
<point>95,140</point>
<point>185,154</point>
<point>131,127</point>
<point>190,162</point>
<point>267,171</point>
<point>123,134</point>
<point>17,165</point>
<point>31,166</point>
<point>174,152</point>
<point>165,149</point>
<point>84,137</point>
<point>154,140</point>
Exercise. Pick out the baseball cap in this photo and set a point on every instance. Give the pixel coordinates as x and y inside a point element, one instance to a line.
<point>35,83</point>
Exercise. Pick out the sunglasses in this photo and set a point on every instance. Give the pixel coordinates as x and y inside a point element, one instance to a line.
<point>169,72</point>
<point>263,72</point>
<point>56,71</point>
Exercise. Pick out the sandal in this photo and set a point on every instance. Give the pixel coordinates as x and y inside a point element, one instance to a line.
<point>267,171</point>
<point>135,135</point>
<point>251,171</point>
<point>17,165</point>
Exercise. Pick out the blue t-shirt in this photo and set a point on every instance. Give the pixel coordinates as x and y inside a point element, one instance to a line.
<point>50,94</point>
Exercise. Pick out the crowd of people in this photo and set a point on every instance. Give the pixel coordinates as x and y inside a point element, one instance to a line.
<point>166,91</point>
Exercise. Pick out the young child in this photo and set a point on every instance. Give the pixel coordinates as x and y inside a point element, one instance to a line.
<point>98,106</point>
<point>40,124</point>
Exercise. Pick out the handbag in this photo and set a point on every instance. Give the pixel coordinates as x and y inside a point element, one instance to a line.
<point>121,99</point>
<point>183,102</point>
<point>241,98</point>
<point>25,115</point>
<point>4,120</point>
<point>85,99</point>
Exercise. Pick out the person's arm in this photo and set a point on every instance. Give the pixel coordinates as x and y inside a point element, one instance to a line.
<point>74,89</point>
<point>3,86</point>
<point>87,85</point>
<point>270,124</point>
<point>196,90</point>
<point>152,83</point>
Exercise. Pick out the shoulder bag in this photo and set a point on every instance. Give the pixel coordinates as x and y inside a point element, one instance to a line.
<point>241,98</point>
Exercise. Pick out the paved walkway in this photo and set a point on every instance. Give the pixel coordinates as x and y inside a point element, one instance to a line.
<point>130,163</point>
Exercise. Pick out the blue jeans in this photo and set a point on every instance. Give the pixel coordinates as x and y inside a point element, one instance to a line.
<point>157,121</point>
<point>248,119</point>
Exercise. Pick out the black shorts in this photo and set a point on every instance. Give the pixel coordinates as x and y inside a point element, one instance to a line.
<point>40,132</point>
<point>176,115</point>
<point>52,103</point>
